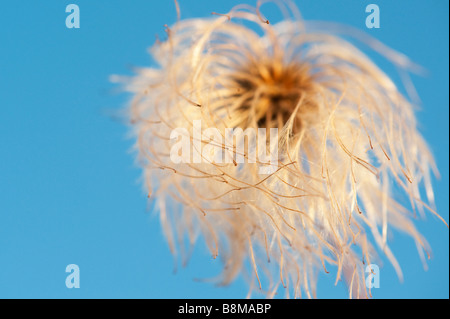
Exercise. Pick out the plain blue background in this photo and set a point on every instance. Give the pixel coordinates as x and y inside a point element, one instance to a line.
<point>69,188</point>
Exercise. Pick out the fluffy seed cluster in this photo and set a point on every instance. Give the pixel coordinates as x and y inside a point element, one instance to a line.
<point>349,150</point>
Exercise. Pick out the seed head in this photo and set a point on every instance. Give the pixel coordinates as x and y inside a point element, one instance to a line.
<point>348,145</point>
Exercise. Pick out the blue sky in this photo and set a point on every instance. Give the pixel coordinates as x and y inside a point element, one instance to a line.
<point>70,191</point>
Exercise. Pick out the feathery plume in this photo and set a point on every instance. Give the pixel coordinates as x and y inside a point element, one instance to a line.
<point>347,142</point>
